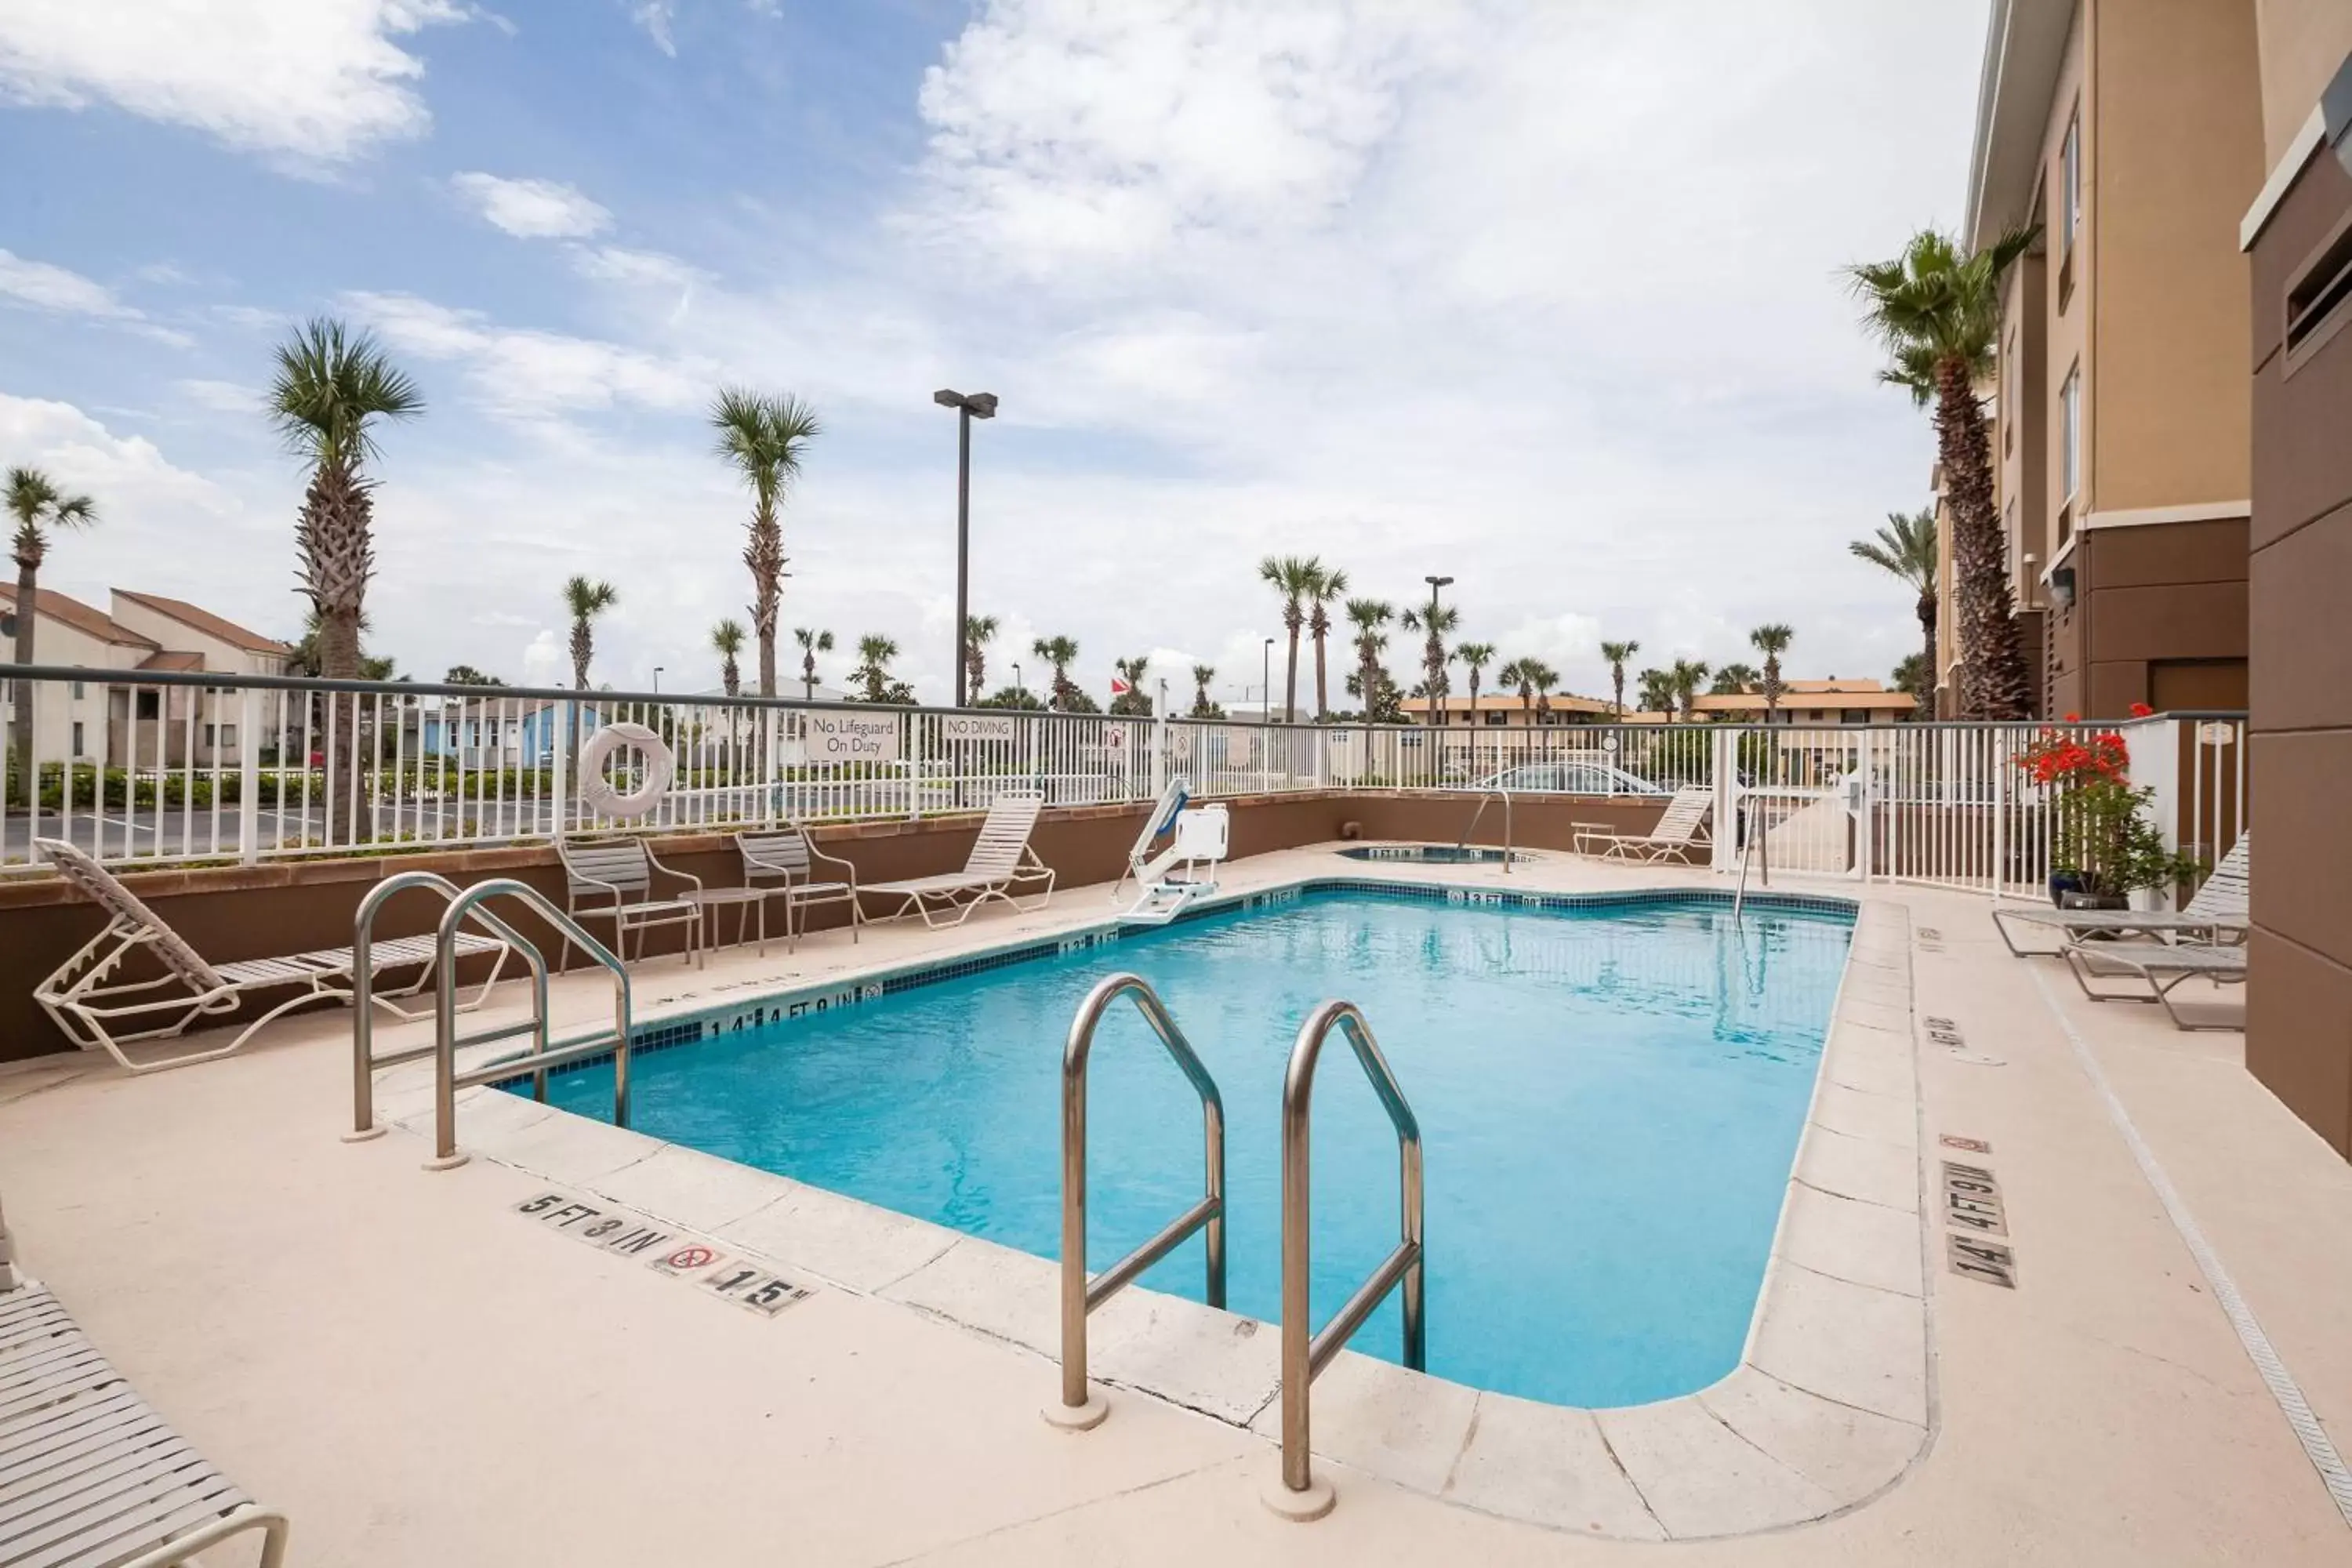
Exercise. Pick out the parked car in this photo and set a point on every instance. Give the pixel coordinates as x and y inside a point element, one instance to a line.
<point>1567,778</point>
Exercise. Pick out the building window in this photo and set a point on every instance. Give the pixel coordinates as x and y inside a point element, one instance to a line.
<point>211,737</point>
<point>2070,161</point>
<point>149,704</point>
<point>2319,299</point>
<point>77,692</point>
<point>76,740</point>
<point>1853,715</point>
<point>2070,435</point>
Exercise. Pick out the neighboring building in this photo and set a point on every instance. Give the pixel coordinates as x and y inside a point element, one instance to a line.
<point>2298,235</point>
<point>119,725</point>
<point>1504,710</point>
<point>2130,130</point>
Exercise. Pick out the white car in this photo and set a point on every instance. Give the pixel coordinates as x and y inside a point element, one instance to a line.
<point>1569,777</point>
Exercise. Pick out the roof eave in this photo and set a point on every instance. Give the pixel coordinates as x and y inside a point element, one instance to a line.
<point>2025,46</point>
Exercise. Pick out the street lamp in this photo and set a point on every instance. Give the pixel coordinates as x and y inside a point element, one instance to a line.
<point>1018,688</point>
<point>1436,702</point>
<point>979,405</point>
<point>658,669</point>
<point>1265,683</point>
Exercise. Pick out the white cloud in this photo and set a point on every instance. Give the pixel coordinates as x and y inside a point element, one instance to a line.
<point>221,396</point>
<point>547,659</point>
<point>531,209</point>
<point>533,375</point>
<point>316,81</point>
<point>45,287</point>
<point>656,16</point>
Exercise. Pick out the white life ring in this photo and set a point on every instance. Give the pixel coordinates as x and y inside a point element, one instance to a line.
<point>596,791</point>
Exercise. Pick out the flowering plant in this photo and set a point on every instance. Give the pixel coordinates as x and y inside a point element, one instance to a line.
<point>2103,837</point>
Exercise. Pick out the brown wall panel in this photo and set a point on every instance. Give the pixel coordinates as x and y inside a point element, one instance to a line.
<point>2301,638</point>
<point>2155,555</point>
<point>2305,445</point>
<point>2299,1034</point>
<point>2306,895</point>
<point>2296,227</point>
<point>2185,620</point>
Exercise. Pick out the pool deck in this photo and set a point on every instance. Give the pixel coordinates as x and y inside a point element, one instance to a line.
<point>418,1373</point>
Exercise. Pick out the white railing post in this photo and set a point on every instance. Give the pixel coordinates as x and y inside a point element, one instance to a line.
<point>1999,793</point>
<point>248,775</point>
<point>1723,766</point>
<point>567,720</point>
<point>2161,773</point>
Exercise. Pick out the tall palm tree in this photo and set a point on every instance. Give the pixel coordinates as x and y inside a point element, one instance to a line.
<point>584,600</point>
<point>874,653</point>
<point>1685,678</point>
<point>1937,309</point>
<point>1435,622</point>
<point>331,388</point>
<point>1656,693</point>
<point>1475,657</point>
<point>765,437</point>
<point>38,508</point>
<point>1201,675</point>
<point>1294,577</point>
<point>812,643</point>
<point>727,641</point>
<point>1368,617</point>
<point>1771,640</point>
<point>978,631</point>
<point>1061,653</point>
<point>1617,654</point>
<point>1527,676</point>
<point>1329,587</point>
<point>1905,548</point>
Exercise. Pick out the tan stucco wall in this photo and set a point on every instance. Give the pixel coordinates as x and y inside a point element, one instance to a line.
<point>2176,158</point>
<point>2302,44</point>
<point>2068,289</point>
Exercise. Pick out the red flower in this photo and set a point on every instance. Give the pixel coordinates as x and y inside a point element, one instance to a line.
<point>2074,718</point>
<point>2142,710</point>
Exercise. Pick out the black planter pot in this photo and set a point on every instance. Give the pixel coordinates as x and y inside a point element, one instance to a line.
<point>2063,883</point>
<point>2078,899</point>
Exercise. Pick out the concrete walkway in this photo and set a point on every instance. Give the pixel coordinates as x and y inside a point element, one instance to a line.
<point>419,1375</point>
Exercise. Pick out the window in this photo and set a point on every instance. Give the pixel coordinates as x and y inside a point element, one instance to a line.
<point>2069,434</point>
<point>1497,716</point>
<point>211,737</point>
<point>76,740</point>
<point>1853,715</point>
<point>77,692</point>
<point>2070,163</point>
<point>149,704</point>
<point>218,735</point>
<point>2319,299</point>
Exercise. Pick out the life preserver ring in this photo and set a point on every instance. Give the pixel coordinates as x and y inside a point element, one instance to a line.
<point>596,791</point>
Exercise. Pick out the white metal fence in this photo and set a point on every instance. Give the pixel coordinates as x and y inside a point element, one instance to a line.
<point>159,769</point>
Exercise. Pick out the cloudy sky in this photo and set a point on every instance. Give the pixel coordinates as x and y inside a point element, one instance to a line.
<point>1544,297</point>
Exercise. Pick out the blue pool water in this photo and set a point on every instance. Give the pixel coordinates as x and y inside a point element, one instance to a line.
<point>1610,1101</point>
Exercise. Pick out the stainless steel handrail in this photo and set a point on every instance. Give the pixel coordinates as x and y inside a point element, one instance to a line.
<point>1081,1294</point>
<point>1483,795</point>
<point>448,1080</point>
<point>364,1061</point>
<point>1304,1356</point>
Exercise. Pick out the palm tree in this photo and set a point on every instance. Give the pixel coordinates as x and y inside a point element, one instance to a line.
<point>585,601</point>
<point>978,631</point>
<point>812,643</point>
<point>1771,640</point>
<point>765,437</point>
<point>1329,587</point>
<point>1061,653</point>
<point>467,675</point>
<point>874,653</point>
<point>1368,617</point>
<point>1201,707</point>
<point>1617,653</point>
<point>1732,680</point>
<point>38,508</point>
<point>1475,657</point>
<point>1436,622</point>
<point>727,641</point>
<point>1683,679</point>
<point>1656,694</point>
<point>1133,703</point>
<point>1527,677</point>
<point>1937,309</point>
<point>1905,548</point>
<point>1294,577</point>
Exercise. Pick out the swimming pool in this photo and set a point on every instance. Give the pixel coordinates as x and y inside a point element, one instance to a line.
<point>1610,1099</point>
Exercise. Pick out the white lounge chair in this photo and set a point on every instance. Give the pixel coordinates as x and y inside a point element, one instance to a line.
<point>1676,833</point>
<point>1001,859</point>
<point>2160,966</point>
<point>2217,914</point>
<point>89,1004</point>
<point>90,1475</point>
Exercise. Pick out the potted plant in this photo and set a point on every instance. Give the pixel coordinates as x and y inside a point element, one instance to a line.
<point>2105,846</point>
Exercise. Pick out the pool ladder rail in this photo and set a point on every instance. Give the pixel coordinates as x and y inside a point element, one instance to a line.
<point>1298,1493</point>
<point>1485,795</point>
<point>466,906</point>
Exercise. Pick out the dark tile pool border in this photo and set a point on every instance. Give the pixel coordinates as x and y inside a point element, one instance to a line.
<point>709,1023</point>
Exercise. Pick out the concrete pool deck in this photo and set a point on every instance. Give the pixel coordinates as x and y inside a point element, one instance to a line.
<point>418,1373</point>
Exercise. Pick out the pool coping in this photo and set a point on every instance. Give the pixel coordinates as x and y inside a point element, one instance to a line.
<point>1831,1403</point>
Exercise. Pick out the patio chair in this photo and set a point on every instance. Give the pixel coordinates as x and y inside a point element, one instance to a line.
<point>613,879</point>
<point>1001,859</point>
<point>1678,832</point>
<point>788,860</point>
<point>89,1005</point>
<point>2217,914</point>
<point>2150,962</point>
<point>90,1475</point>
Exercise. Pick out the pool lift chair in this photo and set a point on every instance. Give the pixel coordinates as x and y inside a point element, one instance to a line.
<point>1182,873</point>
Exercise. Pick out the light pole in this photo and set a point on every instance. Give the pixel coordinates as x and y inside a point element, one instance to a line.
<point>658,669</point>
<point>1019,690</point>
<point>979,405</point>
<point>1436,673</point>
<point>1265,683</point>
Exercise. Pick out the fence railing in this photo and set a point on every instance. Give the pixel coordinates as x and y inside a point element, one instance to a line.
<point>161,768</point>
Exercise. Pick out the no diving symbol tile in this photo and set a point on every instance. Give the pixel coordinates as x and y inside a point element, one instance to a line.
<point>1930,940</point>
<point>1971,1145</point>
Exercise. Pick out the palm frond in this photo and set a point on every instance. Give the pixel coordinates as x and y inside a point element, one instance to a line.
<point>330,388</point>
